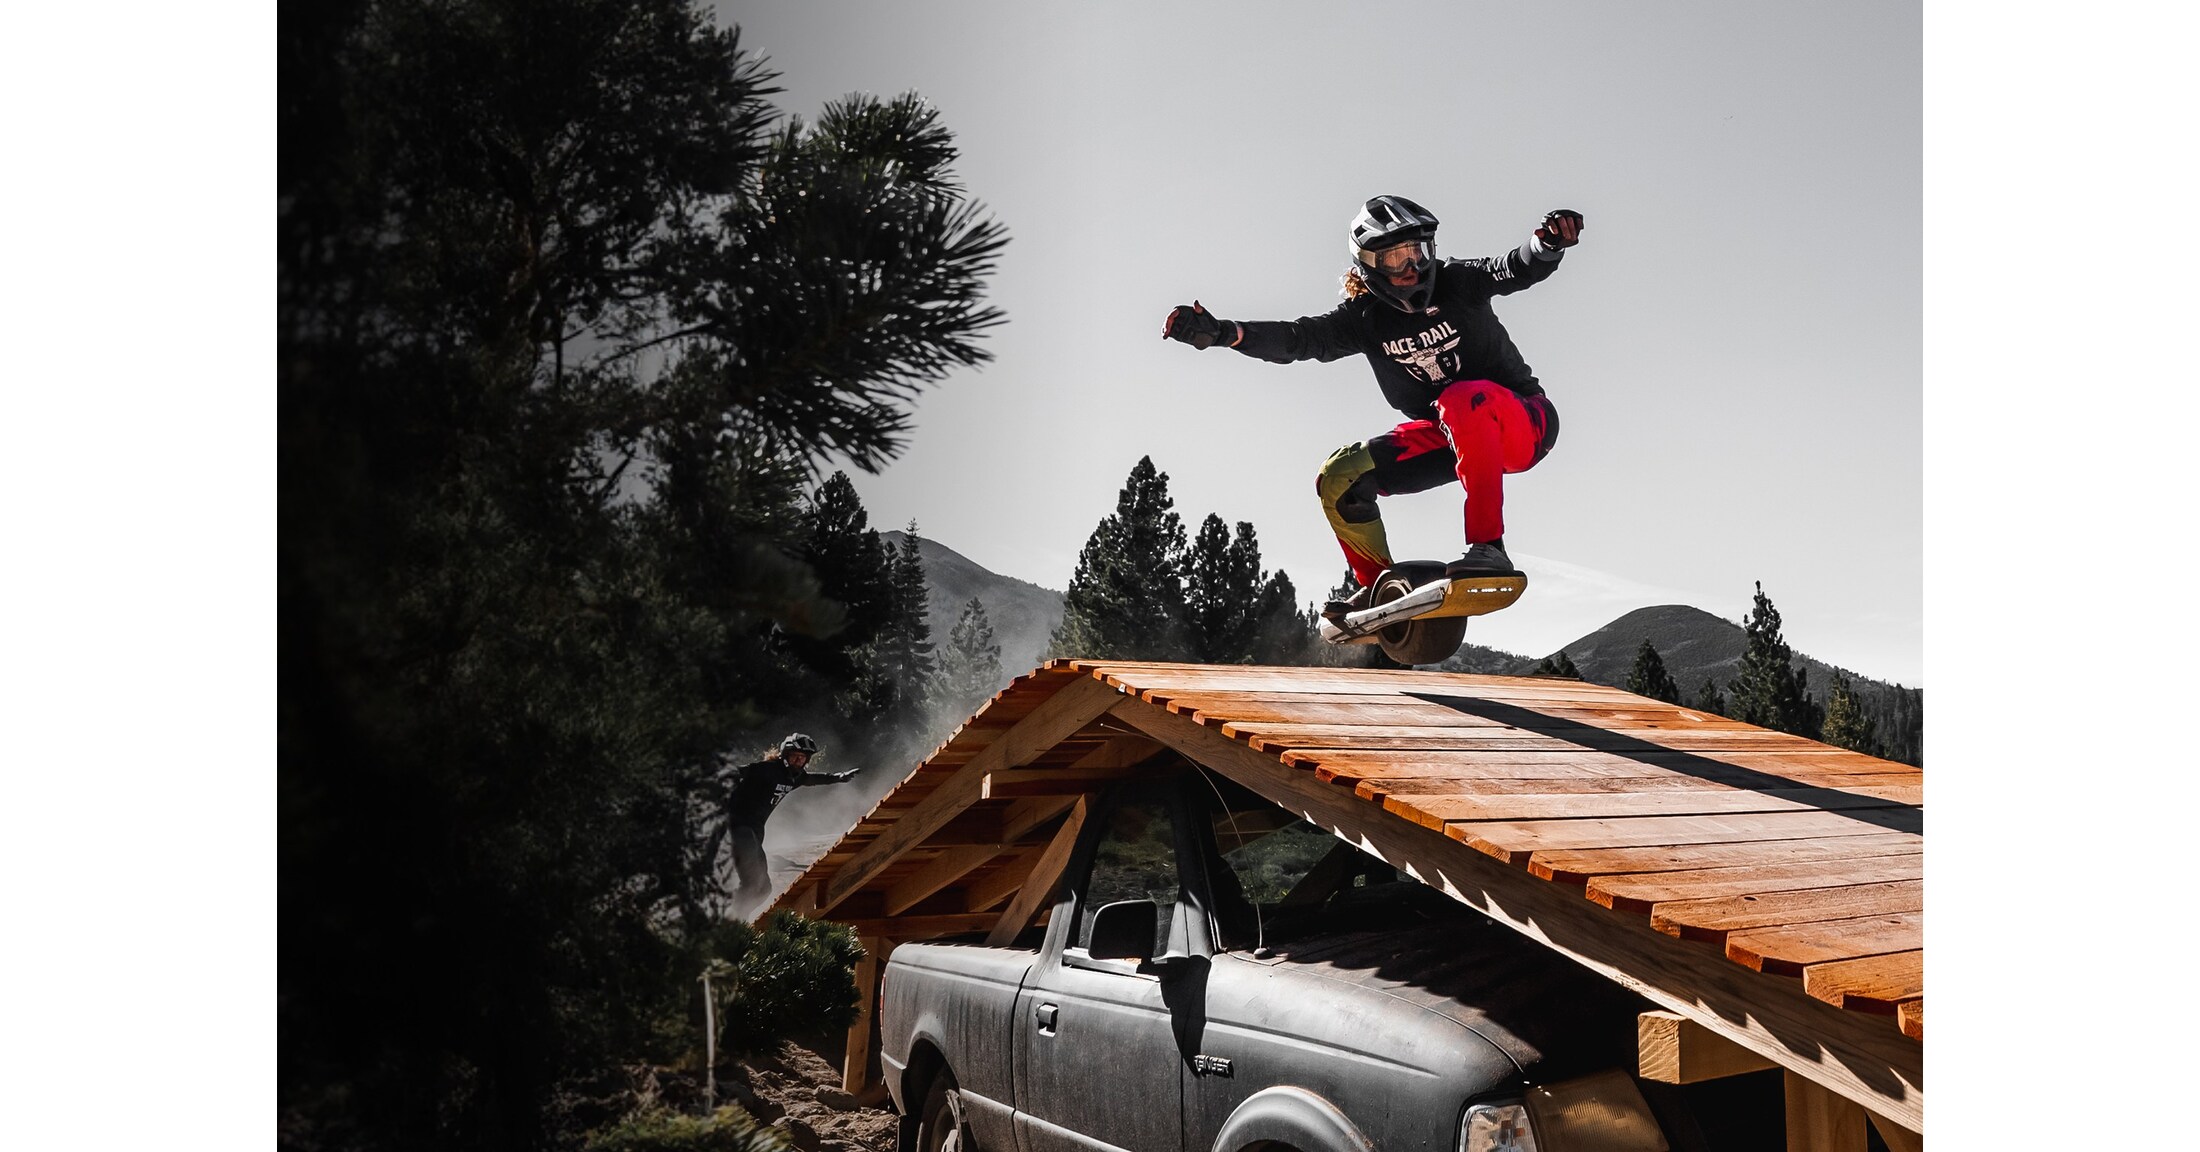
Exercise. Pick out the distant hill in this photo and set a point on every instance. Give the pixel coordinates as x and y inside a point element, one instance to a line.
<point>1697,646</point>
<point>1023,614</point>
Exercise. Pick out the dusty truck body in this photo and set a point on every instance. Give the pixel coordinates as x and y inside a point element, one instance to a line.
<point>1215,975</point>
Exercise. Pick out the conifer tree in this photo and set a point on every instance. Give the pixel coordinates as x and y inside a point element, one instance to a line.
<point>1222,593</point>
<point>1284,631</point>
<point>1766,691</point>
<point>1709,699</point>
<point>905,649</point>
<point>1558,664</point>
<point>1649,678</point>
<point>852,569</point>
<point>970,665</point>
<point>1847,724</point>
<point>1126,599</point>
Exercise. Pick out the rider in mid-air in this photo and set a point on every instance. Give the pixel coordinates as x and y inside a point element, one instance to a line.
<point>1475,410</point>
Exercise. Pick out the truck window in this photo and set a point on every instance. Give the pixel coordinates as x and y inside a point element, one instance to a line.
<point>1292,878</point>
<point>1136,861</point>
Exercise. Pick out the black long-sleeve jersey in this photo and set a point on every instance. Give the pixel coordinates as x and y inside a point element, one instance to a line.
<point>753,790</point>
<point>1416,355</point>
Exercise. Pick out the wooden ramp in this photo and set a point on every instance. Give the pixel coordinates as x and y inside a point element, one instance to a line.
<point>1767,890</point>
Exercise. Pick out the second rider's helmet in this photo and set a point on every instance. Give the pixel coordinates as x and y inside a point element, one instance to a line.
<point>798,743</point>
<point>1390,235</point>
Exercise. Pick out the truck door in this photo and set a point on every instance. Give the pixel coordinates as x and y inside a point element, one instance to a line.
<point>1096,1058</point>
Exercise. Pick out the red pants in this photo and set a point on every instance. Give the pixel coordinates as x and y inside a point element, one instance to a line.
<point>1481,432</point>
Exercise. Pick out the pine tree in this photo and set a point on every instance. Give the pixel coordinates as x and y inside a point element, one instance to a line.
<point>854,570</point>
<point>1126,599</point>
<point>1649,678</point>
<point>1847,725</point>
<point>905,649</point>
<point>1709,699</point>
<point>1222,593</point>
<point>970,665</point>
<point>1285,632</point>
<point>1558,664</point>
<point>1767,691</point>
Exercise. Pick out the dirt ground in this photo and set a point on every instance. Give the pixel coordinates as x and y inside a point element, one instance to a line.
<point>798,1090</point>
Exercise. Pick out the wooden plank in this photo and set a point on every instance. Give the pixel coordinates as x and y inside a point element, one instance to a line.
<point>855,1067</point>
<point>1579,865</point>
<point>1070,708</point>
<point>1040,883</point>
<point>1637,891</point>
<point>1672,1049</point>
<point>1438,810</point>
<point>950,865</point>
<point>1144,677</point>
<point>1855,1055</point>
<point>1712,919</point>
<point>1515,841</point>
<point>1468,737</point>
<point>1872,984</point>
<point>1517,780</point>
<point>1787,949</point>
<point>1377,753</point>
<point>1820,1121</point>
<point>997,885</point>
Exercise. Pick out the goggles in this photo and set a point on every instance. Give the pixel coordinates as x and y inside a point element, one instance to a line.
<point>1398,259</point>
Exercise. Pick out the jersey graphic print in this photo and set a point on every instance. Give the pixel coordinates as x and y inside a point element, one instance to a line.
<point>1430,357</point>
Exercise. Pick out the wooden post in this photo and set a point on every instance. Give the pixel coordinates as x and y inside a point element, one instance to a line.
<point>1898,1138</point>
<point>855,1069</point>
<point>1820,1121</point>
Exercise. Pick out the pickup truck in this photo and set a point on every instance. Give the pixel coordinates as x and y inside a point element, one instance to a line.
<point>1216,974</point>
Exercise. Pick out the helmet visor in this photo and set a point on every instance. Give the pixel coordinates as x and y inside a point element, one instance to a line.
<point>1400,259</point>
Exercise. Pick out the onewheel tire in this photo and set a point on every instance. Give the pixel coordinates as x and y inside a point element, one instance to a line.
<point>1421,641</point>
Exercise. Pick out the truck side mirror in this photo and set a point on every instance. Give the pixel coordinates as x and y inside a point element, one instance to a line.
<point>1125,930</point>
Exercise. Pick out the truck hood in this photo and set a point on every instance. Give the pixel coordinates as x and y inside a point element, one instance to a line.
<point>1553,1017</point>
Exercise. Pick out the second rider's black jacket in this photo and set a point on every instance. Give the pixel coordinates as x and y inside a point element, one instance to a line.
<point>1415,355</point>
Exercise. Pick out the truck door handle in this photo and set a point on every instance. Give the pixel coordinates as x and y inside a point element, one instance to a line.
<point>1047,1014</point>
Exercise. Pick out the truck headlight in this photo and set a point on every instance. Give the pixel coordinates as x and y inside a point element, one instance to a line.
<point>1604,1111</point>
<point>1496,1128</point>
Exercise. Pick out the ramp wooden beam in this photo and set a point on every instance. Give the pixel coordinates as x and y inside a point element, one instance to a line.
<point>1040,883</point>
<point>1072,706</point>
<point>1677,1050</point>
<point>1855,1056</point>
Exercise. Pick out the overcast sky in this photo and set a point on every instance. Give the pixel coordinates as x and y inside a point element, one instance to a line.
<point>1734,348</point>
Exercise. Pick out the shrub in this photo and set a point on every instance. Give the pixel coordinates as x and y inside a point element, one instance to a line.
<point>796,977</point>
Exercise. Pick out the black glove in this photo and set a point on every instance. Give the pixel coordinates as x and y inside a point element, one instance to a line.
<point>1194,325</point>
<point>1561,228</point>
<point>844,777</point>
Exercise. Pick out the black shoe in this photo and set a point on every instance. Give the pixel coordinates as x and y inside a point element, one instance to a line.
<point>1336,610</point>
<point>1482,560</point>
